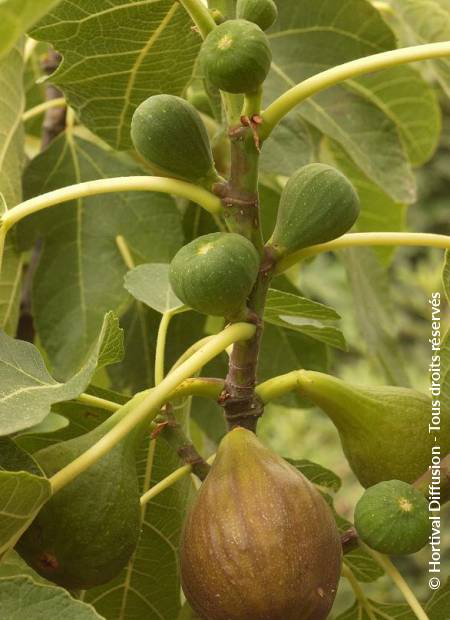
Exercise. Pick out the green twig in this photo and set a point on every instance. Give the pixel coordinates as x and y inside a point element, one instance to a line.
<point>358,592</point>
<point>197,194</point>
<point>295,95</point>
<point>396,577</point>
<point>151,402</point>
<point>352,240</point>
<point>59,102</point>
<point>160,353</point>
<point>200,15</point>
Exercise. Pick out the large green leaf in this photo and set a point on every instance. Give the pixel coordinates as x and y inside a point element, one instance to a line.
<point>378,211</point>
<point>28,390</point>
<point>22,595</point>
<point>424,21</point>
<point>12,102</point>
<point>303,315</point>
<point>80,274</point>
<point>368,115</point>
<point>17,16</point>
<point>373,312</point>
<point>22,495</point>
<point>290,147</point>
<point>117,53</point>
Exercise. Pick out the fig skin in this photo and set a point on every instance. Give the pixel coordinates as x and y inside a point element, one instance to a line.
<point>260,542</point>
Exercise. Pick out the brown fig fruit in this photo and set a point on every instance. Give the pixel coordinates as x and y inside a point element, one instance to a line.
<point>260,542</point>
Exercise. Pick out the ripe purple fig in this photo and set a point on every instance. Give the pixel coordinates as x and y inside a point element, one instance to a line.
<point>260,542</point>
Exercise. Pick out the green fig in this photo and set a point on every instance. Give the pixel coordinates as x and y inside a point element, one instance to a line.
<point>384,430</point>
<point>86,533</point>
<point>317,204</point>
<point>170,134</point>
<point>260,542</point>
<point>392,517</point>
<point>260,12</point>
<point>215,273</point>
<point>236,56</point>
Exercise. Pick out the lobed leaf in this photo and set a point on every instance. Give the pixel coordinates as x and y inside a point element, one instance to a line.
<point>116,54</point>
<point>41,601</point>
<point>150,285</point>
<point>28,390</point>
<point>80,273</point>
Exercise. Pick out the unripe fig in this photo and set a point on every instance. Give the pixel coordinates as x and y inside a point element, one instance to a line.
<point>317,205</point>
<point>86,533</point>
<point>215,273</point>
<point>169,133</point>
<point>392,517</point>
<point>236,56</point>
<point>260,12</point>
<point>260,542</point>
<point>383,429</point>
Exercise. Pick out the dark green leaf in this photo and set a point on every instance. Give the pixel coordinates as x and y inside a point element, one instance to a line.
<point>116,54</point>
<point>80,274</point>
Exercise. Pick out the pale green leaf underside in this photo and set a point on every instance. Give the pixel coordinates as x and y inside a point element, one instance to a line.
<point>21,496</point>
<point>11,162</point>
<point>150,284</point>
<point>37,600</point>
<point>27,388</point>
<point>377,119</point>
<point>17,16</point>
<point>118,53</point>
<point>80,274</point>
<point>303,315</point>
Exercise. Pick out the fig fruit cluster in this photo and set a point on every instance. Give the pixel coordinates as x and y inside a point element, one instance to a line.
<point>260,542</point>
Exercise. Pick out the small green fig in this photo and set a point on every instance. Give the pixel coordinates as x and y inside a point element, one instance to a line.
<point>317,205</point>
<point>261,12</point>
<point>169,133</point>
<point>215,273</point>
<point>392,517</point>
<point>383,429</point>
<point>86,533</point>
<point>236,56</point>
<point>260,542</point>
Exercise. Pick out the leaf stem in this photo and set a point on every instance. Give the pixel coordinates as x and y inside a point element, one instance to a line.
<point>125,253</point>
<point>200,15</point>
<point>168,481</point>
<point>161,345</point>
<point>149,406</point>
<point>295,95</point>
<point>3,233</point>
<point>201,196</point>
<point>397,578</point>
<point>100,403</point>
<point>59,102</point>
<point>366,239</point>
<point>358,591</point>
<point>278,386</point>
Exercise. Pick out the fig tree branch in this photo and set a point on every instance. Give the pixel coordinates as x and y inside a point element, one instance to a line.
<point>152,401</point>
<point>352,240</point>
<point>326,79</point>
